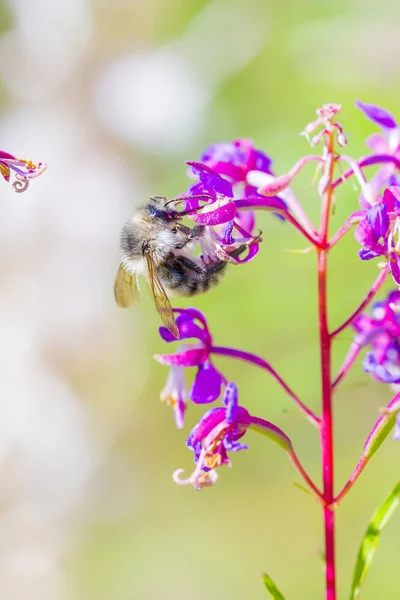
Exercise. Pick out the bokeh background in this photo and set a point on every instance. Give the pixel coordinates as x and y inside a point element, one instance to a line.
<point>115,96</point>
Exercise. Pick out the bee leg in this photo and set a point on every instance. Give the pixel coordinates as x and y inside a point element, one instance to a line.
<point>193,234</point>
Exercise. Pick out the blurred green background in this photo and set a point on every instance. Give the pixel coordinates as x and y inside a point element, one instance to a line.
<point>203,72</point>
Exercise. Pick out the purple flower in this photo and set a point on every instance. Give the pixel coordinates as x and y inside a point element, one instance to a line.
<point>219,214</point>
<point>208,381</point>
<point>218,433</point>
<point>379,231</point>
<point>24,170</point>
<point>235,160</point>
<point>381,331</point>
<point>387,142</point>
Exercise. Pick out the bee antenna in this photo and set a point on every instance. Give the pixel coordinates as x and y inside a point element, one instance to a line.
<point>182,198</point>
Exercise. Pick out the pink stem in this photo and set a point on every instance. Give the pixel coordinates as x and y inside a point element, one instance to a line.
<point>265,204</point>
<point>260,362</point>
<point>352,354</point>
<point>326,430</point>
<point>352,220</point>
<point>299,467</point>
<point>367,161</point>
<point>298,211</point>
<point>380,280</point>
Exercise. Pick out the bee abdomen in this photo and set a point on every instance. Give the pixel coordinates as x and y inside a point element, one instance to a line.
<point>187,277</point>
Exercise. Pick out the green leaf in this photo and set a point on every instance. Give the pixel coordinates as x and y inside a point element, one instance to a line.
<point>271,587</point>
<point>379,433</point>
<point>302,488</point>
<point>371,539</point>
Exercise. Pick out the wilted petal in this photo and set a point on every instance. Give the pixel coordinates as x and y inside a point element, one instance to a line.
<point>207,384</point>
<point>378,115</point>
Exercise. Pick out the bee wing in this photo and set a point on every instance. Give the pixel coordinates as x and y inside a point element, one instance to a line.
<point>161,300</point>
<point>125,288</point>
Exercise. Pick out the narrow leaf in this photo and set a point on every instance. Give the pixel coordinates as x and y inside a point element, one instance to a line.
<point>302,488</point>
<point>371,539</point>
<point>382,428</point>
<point>271,587</point>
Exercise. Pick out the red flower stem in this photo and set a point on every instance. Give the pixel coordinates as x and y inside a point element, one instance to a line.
<point>265,204</point>
<point>367,161</point>
<point>260,362</point>
<point>380,280</point>
<point>299,467</point>
<point>352,220</point>
<point>326,430</point>
<point>362,463</point>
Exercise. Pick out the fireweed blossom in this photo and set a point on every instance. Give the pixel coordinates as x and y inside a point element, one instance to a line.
<point>225,187</point>
<point>211,203</point>
<point>219,432</point>
<point>381,332</point>
<point>24,170</point>
<point>206,387</point>
<point>385,143</point>
<point>379,231</point>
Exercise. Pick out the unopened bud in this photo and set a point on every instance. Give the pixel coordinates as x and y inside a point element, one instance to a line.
<point>275,186</point>
<point>317,138</point>
<point>341,139</point>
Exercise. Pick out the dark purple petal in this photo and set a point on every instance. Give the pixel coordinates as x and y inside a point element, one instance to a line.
<point>211,180</point>
<point>259,162</point>
<point>252,251</point>
<point>232,445</point>
<point>366,254</point>
<point>378,115</point>
<point>378,219</point>
<point>166,335</point>
<point>207,384</point>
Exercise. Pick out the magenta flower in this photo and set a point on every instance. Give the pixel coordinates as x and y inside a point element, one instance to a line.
<point>379,231</point>
<point>219,214</point>
<point>235,160</point>
<point>24,170</point>
<point>208,381</point>
<point>381,331</point>
<point>219,432</point>
<point>387,142</point>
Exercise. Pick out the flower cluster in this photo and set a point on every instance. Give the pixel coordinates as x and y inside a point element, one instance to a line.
<point>24,170</point>
<point>220,428</point>
<point>208,380</point>
<point>381,332</point>
<point>223,197</point>
<point>379,226</point>
<point>232,181</point>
